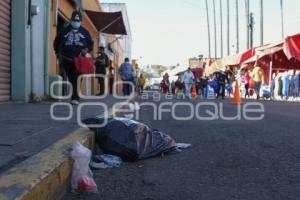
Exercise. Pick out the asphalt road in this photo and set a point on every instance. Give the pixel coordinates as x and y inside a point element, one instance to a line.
<point>240,159</point>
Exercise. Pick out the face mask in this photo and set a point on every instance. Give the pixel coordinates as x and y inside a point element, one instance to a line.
<point>75,24</point>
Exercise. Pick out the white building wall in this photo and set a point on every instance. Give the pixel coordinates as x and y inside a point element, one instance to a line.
<point>38,48</point>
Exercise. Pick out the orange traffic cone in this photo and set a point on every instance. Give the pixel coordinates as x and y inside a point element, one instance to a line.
<point>236,100</point>
<point>194,92</point>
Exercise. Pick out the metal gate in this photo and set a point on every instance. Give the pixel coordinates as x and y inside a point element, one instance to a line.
<point>5,49</point>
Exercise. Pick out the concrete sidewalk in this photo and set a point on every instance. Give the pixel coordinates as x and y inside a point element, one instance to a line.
<point>26,129</point>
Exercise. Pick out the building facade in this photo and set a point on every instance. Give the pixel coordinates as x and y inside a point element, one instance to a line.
<point>27,59</point>
<point>194,62</point>
<point>5,50</point>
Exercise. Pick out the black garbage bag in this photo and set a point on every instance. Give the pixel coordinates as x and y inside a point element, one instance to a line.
<point>129,139</point>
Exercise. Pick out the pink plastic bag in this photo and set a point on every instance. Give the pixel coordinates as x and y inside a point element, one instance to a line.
<point>82,176</point>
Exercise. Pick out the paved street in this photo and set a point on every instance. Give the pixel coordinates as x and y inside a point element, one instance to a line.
<point>242,160</point>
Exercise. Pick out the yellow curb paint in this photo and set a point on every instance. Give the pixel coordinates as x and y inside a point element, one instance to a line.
<point>42,175</point>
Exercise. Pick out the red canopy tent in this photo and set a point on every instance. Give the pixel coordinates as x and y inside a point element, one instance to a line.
<point>260,53</point>
<point>246,55</point>
<point>270,58</point>
<point>291,47</point>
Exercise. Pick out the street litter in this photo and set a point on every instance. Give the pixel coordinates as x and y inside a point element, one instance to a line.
<point>183,145</point>
<point>129,116</point>
<point>98,165</point>
<point>129,139</point>
<point>110,160</point>
<point>82,176</point>
<point>134,107</point>
<point>105,161</point>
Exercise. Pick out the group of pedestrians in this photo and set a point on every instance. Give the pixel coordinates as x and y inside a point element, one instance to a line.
<point>284,85</point>
<point>75,41</point>
<point>257,77</point>
<point>218,83</point>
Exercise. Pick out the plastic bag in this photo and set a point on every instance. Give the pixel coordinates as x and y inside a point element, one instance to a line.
<point>105,161</point>
<point>183,145</point>
<point>111,160</point>
<point>134,107</point>
<point>82,176</point>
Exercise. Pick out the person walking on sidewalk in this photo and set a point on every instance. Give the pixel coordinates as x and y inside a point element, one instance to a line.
<point>141,84</point>
<point>127,75</point>
<point>188,79</point>
<point>296,80</point>
<point>71,42</point>
<point>204,86</point>
<point>285,85</point>
<point>246,79</point>
<point>102,62</point>
<point>222,78</point>
<point>258,76</point>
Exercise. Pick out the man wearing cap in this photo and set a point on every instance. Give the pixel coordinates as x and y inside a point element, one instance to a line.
<point>71,42</point>
<point>102,62</point>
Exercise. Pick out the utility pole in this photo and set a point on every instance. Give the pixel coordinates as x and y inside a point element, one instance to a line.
<point>282,23</point>
<point>228,30</point>
<point>261,22</point>
<point>248,23</point>
<point>208,29</point>
<point>237,27</point>
<point>215,28</point>
<point>221,25</point>
<point>251,28</point>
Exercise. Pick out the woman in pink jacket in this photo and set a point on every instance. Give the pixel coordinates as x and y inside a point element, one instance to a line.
<point>246,79</point>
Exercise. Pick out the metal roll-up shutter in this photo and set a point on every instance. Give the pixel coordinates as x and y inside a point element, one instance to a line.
<point>5,49</point>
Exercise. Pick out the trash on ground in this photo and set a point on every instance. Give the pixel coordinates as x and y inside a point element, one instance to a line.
<point>183,145</point>
<point>134,106</point>
<point>129,116</point>
<point>82,176</point>
<point>110,160</point>
<point>99,165</point>
<point>105,161</point>
<point>137,106</point>
<point>129,139</point>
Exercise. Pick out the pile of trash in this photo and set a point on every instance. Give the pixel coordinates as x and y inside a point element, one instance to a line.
<point>121,139</point>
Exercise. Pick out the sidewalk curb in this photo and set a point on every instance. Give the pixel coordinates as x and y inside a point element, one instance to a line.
<point>45,175</point>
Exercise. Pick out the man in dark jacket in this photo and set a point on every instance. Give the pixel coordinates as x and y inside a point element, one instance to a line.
<point>72,41</point>
<point>222,78</point>
<point>102,62</point>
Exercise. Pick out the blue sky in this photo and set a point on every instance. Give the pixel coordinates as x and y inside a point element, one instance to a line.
<point>171,31</point>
